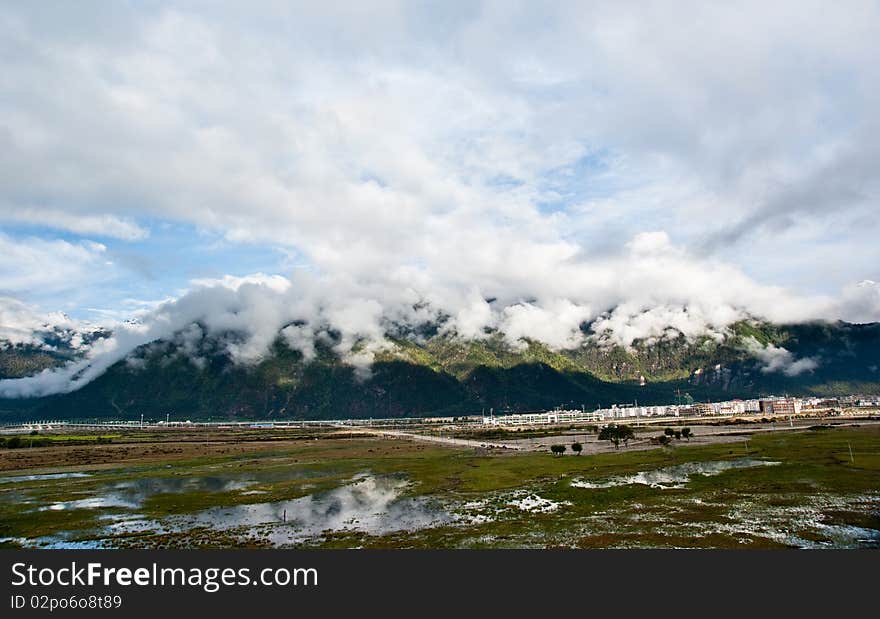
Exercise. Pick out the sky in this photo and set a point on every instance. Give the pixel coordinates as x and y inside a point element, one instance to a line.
<point>635,166</point>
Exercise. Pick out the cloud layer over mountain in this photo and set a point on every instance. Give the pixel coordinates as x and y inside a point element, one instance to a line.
<point>258,309</point>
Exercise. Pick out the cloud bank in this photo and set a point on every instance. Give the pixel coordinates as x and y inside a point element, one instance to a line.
<point>625,299</point>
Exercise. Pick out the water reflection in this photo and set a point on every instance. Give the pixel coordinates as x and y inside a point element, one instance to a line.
<point>674,476</point>
<point>49,476</point>
<point>368,504</point>
<point>62,541</point>
<point>132,494</point>
<point>140,489</point>
<point>97,502</point>
<point>381,505</point>
<point>848,536</point>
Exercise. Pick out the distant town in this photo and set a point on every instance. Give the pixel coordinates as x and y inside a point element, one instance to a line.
<point>776,406</point>
<point>772,406</point>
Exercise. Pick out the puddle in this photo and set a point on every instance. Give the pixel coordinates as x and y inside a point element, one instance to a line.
<point>802,526</point>
<point>476,512</point>
<point>382,505</point>
<point>97,502</point>
<point>848,536</point>
<point>366,503</point>
<point>21,478</point>
<point>674,476</point>
<point>132,494</point>
<point>141,489</point>
<point>747,520</point>
<point>55,542</point>
<point>369,504</point>
<point>536,504</point>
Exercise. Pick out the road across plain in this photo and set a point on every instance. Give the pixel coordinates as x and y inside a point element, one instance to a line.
<point>433,438</point>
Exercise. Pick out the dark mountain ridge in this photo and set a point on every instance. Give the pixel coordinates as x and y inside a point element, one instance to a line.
<point>433,374</point>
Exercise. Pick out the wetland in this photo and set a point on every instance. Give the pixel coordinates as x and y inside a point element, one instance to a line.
<point>816,488</point>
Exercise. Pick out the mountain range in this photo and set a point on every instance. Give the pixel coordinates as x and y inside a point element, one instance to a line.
<point>432,373</point>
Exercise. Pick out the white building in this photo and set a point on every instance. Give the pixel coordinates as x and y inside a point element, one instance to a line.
<point>549,417</point>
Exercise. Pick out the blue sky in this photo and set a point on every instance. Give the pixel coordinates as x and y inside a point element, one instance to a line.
<point>159,266</point>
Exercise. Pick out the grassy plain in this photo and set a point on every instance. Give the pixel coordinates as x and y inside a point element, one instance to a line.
<point>824,491</point>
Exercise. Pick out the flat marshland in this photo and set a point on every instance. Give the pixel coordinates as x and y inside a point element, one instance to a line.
<point>814,487</point>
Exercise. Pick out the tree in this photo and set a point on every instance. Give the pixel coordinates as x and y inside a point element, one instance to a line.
<point>615,434</point>
<point>576,448</point>
<point>609,433</point>
<point>669,432</point>
<point>557,450</point>
<point>678,435</point>
<point>686,432</point>
<point>663,440</point>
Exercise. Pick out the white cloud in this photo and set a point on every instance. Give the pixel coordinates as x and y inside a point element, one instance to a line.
<point>35,264</point>
<point>859,302</point>
<point>778,359</point>
<point>557,324</point>
<point>100,225</point>
<point>20,322</point>
<point>473,317</point>
<point>629,322</point>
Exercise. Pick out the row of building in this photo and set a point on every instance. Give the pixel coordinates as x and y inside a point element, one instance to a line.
<point>778,406</point>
